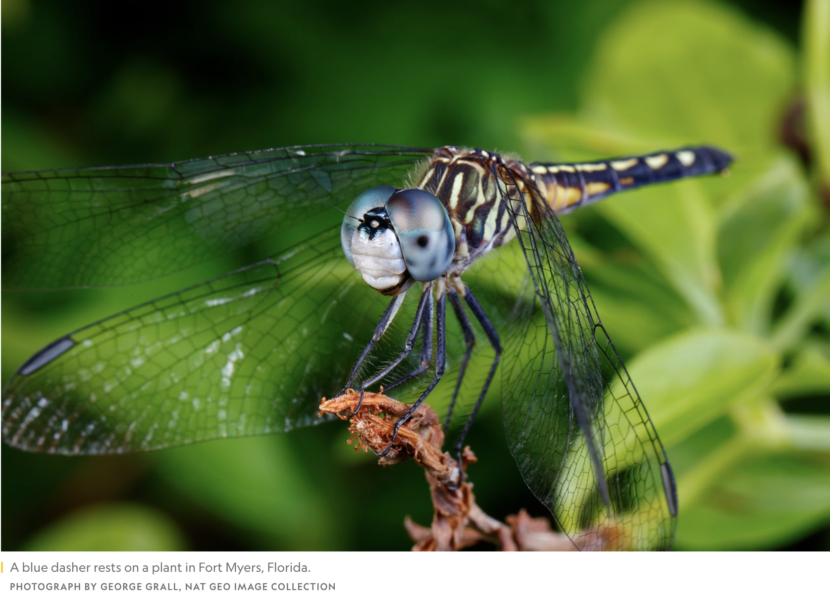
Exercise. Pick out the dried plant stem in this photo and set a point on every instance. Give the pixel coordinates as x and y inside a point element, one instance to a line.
<point>458,522</point>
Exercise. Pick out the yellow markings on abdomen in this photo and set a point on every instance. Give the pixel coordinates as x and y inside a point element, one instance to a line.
<point>627,181</point>
<point>686,157</point>
<point>591,167</point>
<point>620,165</point>
<point>656,162</point>
<point>560,197</point>
<point>596,188</point>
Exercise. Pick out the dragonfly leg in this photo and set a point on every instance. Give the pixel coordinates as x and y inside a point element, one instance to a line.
<point>469,340</point>
<point>385,321</point>
<point>493,337</point>
<point>440,361</point>
<point>426,350</point>
<point>424,305</point>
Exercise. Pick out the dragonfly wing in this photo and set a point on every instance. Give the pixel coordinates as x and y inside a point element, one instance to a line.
<point>575,424</point>
<point>117,225</point>
<point>250,352</point>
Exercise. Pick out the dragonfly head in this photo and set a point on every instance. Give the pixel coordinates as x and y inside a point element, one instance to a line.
<point>394,238</point>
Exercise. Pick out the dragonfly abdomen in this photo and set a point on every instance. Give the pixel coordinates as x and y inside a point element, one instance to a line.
<point>568,186</point>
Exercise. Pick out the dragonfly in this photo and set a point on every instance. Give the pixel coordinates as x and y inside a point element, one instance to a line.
<point>253,351</point>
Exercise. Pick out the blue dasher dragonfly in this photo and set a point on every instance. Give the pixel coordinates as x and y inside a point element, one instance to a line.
<point>254,350</point>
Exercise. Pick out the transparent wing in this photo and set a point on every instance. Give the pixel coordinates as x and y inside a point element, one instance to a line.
<point>250,352</point>
<point>575,424</point>
<point>116,225</point>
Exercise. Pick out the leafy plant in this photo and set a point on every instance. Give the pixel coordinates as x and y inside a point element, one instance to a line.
<point>725,301</point>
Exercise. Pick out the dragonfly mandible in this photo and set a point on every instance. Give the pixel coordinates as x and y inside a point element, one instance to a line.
<point>254,350</point>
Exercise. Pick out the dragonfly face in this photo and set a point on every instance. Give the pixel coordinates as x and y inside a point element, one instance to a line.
<point>239,354</point>
<point>394,238</point>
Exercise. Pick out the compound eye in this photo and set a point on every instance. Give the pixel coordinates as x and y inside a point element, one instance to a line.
<point>425,232</point>
<point>376,197</point>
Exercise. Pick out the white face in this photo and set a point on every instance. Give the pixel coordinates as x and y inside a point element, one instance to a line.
<point>379,259</point>
<point>394,238</point>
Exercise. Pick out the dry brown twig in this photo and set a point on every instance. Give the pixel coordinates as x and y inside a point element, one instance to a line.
<point>458,522</point>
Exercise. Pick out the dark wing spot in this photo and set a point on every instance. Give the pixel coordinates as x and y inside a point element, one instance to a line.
<point>46,355</point>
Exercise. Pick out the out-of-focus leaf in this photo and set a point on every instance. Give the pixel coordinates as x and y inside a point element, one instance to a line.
<point>686,454</point>
<point>691,379</point>
<point>710,453</point>
<point>809,306</point>
<point>560,137</point>
<point>817,80</point>
<point>808,265</point>
<point>760,502</point>
<point>758,230</point>
<point>690,72</point>
<point>256,484</point>
<point>115,527</point>
<point>810,433</point>
<point>636,304</point>
<point>675,226</point>
<point>808,374</point>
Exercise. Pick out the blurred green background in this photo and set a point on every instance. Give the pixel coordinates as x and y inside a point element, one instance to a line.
<point>715,291</point>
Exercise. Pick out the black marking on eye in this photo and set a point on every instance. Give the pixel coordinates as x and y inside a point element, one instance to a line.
<point>423,241</point>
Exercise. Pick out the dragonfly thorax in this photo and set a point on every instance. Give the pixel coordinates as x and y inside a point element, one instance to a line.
<point>475,186</point>
<point>394,238</point>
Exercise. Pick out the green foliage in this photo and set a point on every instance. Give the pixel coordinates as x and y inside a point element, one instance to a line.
<point>110,528</point>
<point>224,478</point>
<point>714,263</point>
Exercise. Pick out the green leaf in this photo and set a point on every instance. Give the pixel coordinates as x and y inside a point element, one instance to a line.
<point>662,71</point>
<point>255,483</point>
<point>761,502</point>
<point>809,264</point>
<point>810,433</point>
<point>809,306</point>
<point>565,137</point>
<point>808,374</point>
<point>691,379</point>
<point>110,528</point>
<point>675,226</point>
<point>816,25</point>
<point>636,305</point>
<point>759,229</point>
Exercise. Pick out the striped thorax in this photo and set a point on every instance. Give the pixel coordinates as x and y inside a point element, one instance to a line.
<point>475,187</point>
